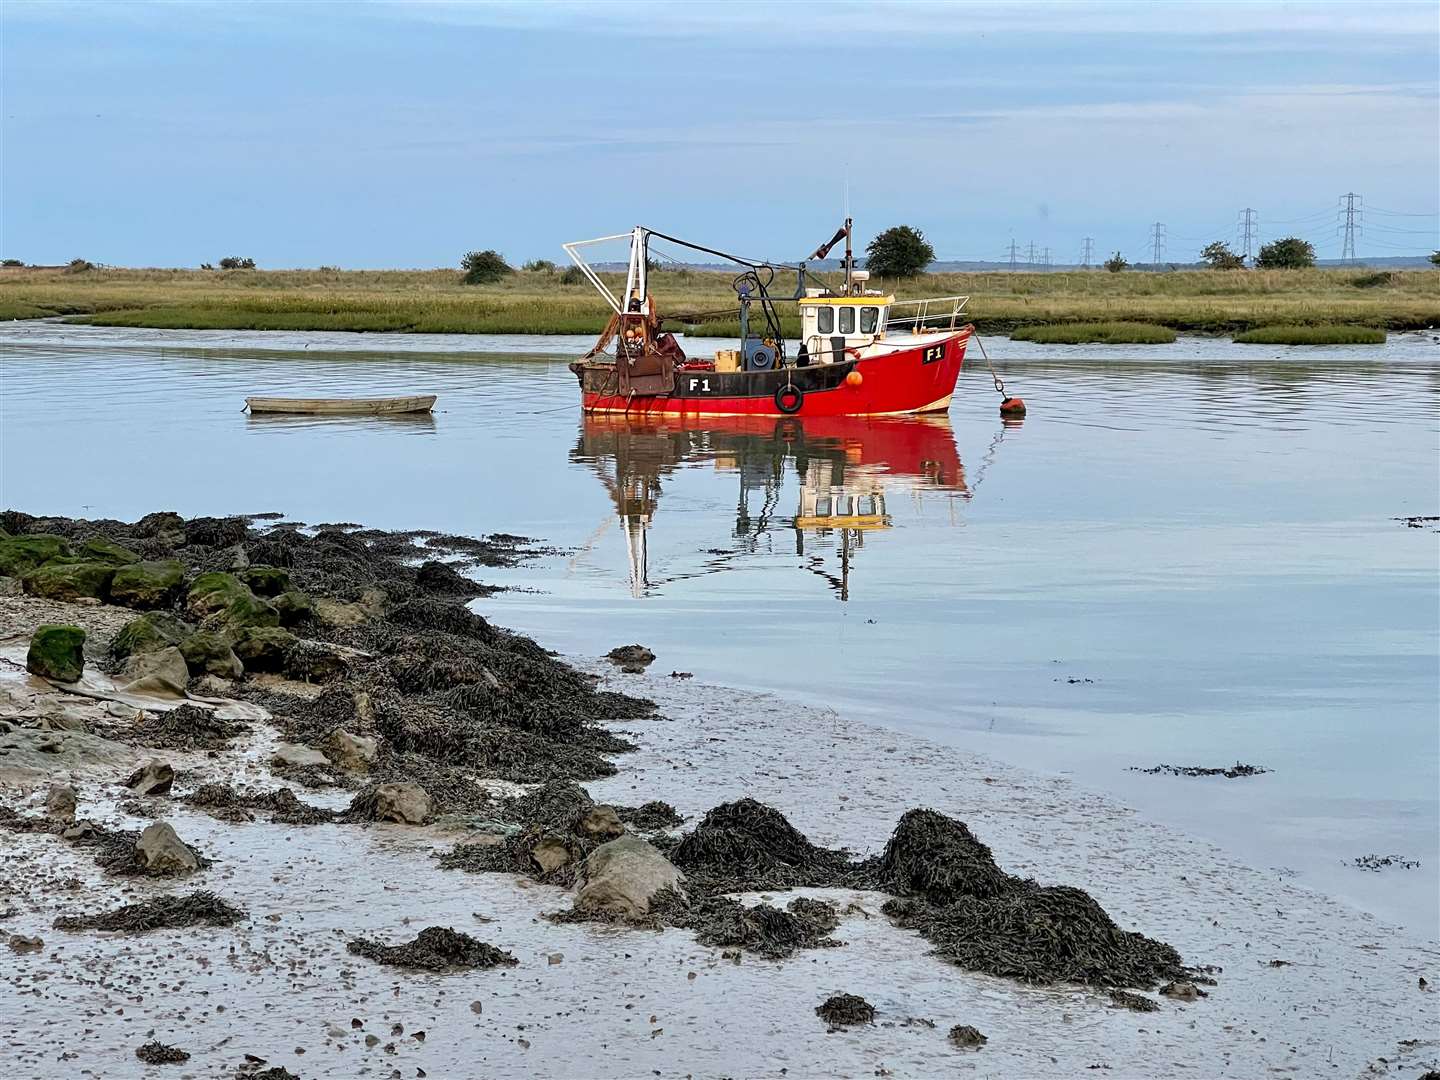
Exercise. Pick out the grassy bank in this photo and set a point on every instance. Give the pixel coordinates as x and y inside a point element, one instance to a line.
<point>1312,335</point>
<point>434,301</point>
<point>1115,333</point>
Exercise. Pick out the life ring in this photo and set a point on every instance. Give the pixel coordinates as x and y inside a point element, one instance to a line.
<point>789,398</point>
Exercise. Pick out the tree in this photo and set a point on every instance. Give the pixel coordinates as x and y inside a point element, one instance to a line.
<point>901,252</point>
<point>235,262</point>
<point>539,266</point>
<point>1435,258</point>
<point>1220,257</point>
<point>483,267</point>
<point>573,275</point>
<point>1291,253</point>
<point>1115,263</point>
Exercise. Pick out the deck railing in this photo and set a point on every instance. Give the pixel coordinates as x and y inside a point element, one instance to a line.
<point>932,313</point>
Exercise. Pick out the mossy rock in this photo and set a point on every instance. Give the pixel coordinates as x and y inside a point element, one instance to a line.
<point>264,648</point>
<point>294,607</point>
<point>19,554</point>
<point>213,592</point>
<point>152,584</point>
<point>148,633</point>
<point>265,580</point>
<point>101,549</point>
<point>57,652</point>
<point>245,612</point>
<point>69,580</point>
<point>207,653</point>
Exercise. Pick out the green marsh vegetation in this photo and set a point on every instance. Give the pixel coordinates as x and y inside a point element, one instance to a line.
<point>547,301</point>
<point>1110,333</point>
<point>1312,335</point>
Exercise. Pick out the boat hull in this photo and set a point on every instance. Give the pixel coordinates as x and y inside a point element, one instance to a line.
<point>905,380</point>
<point>422,403</point>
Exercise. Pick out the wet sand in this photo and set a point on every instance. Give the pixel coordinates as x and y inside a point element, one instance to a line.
<point>615,1001</point>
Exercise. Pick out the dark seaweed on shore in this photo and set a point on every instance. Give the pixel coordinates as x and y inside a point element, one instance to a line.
<point>161,913</point>
<point>436,948</point>
<point>1230,772</point>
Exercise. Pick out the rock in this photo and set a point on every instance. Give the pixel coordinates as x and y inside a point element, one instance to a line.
<point>164,525</point>
<point>1182,991</point>
<point>631,656</point>
<point>69,581</point>
<point>10,586</point>
<point>57,652</point>
<point>21,554</point>
<point>60,802</point>
<point>967,1037</point>
<point>162,672</point>
<point>602,823</point>
<point>316,661</point>
<point>82,830</point>
<point>147,633</point>
<point>295,756</point>
<point>294,607</point>
<point>265,580</point>
<point>64,718</point>
<point>21,943</point>
<point>121,711</point>
<point>207,653</point>
<point>159,850</point>
<point>551,852</point>
<point>150,584</point>
<point>265,648</point>
<point>152,778</point>
<point>226,603</point>
<point>406,803</point>
<point>353,752</point>
<point>102,549</point>
<point>339,613</point>
<point>622,876</point>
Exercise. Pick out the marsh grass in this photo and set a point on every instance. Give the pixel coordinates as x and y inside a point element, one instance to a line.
<point>1110,333</point>
<point>540,302</point>
<point>1312,335</point>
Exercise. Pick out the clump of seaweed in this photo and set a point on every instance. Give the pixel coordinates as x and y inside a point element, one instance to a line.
<point>651,816</point>
<point>161,913</point>
<point>185,727</point>
<point>745,846</point>
<point>724,923</point>
<point>284,807</point>
<point>1230,772</point>
<point>155,1052</point>
<point>436,948</point>
<point>967,1037</point>
<point>937,857</point>
<point>845,1010</point>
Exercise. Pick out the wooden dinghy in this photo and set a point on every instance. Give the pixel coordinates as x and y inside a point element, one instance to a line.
<point>388,406</point>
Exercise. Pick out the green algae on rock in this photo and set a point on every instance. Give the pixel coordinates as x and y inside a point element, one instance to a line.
<point>155,630</point>
<point>57,652</point>
<point>69,580</point>
<point>20,554</point>
<point>149,584</point>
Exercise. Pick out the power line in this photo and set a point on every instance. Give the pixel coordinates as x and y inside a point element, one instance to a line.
<point>1347,250</point>
<point>1046,260</point>
<point>1088,253</point>
<point>1013,253</point>
<point>1158,242</point>
<point>1030,260</point>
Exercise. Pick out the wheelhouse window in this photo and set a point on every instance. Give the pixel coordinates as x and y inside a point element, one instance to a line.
<point>847,320</point>
<point>825,320</point>
<point>822,506</point>
<point>869,319</point>
<point>865,505</point>
<point>843,506</point>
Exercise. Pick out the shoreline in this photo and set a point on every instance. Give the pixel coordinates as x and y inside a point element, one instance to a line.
<point>842,783</point>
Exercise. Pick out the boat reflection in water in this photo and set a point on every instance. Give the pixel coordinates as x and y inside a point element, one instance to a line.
<point>845,468</point>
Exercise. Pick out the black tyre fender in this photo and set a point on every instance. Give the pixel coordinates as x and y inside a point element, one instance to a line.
<point>789,398</point>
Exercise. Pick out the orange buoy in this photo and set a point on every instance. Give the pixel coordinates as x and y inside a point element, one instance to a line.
<point>1012,406</point>
<point>854,379</point>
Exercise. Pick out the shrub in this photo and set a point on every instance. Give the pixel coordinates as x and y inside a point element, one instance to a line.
<point>1312,335</point>
<point>901,251</point>
<point>482,267</point>
<point>573,275</point>
<point>1115,263</point>
<point>206,266</point>
<point>1435,258</point>
<point>235,262</point>
<point>78,266</point>
<point>1220,257</point>
<point>539,266</point>
<point>11,262</point>
<point>1291,253</point>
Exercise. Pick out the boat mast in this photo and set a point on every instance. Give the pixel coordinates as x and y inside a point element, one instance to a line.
<point>637,274</point>
<point>849,256</point>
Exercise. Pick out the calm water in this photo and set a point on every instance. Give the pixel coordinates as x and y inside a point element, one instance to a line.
<point>1186,554</point>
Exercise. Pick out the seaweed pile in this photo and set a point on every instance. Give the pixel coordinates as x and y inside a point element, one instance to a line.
<point>161,913</point>
<point>1230,772</point>
<point>745,846</point>
<point>724,923</point>
<point>112,849</point>
<point>230,804</point>
<point>379,619</point>
<point>436,948</point>
<point>845,1010</point>
<point>157,1053</point>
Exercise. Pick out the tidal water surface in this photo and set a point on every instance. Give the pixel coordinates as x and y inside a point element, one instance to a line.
<point>1185,555</point>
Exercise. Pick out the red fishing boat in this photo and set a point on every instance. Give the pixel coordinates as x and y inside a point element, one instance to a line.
<point>861,352</point>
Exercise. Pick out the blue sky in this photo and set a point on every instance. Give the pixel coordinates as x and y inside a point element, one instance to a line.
<point>403,134</point>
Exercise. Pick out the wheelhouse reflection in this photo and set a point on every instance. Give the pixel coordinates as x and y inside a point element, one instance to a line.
<point>828,482</point>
